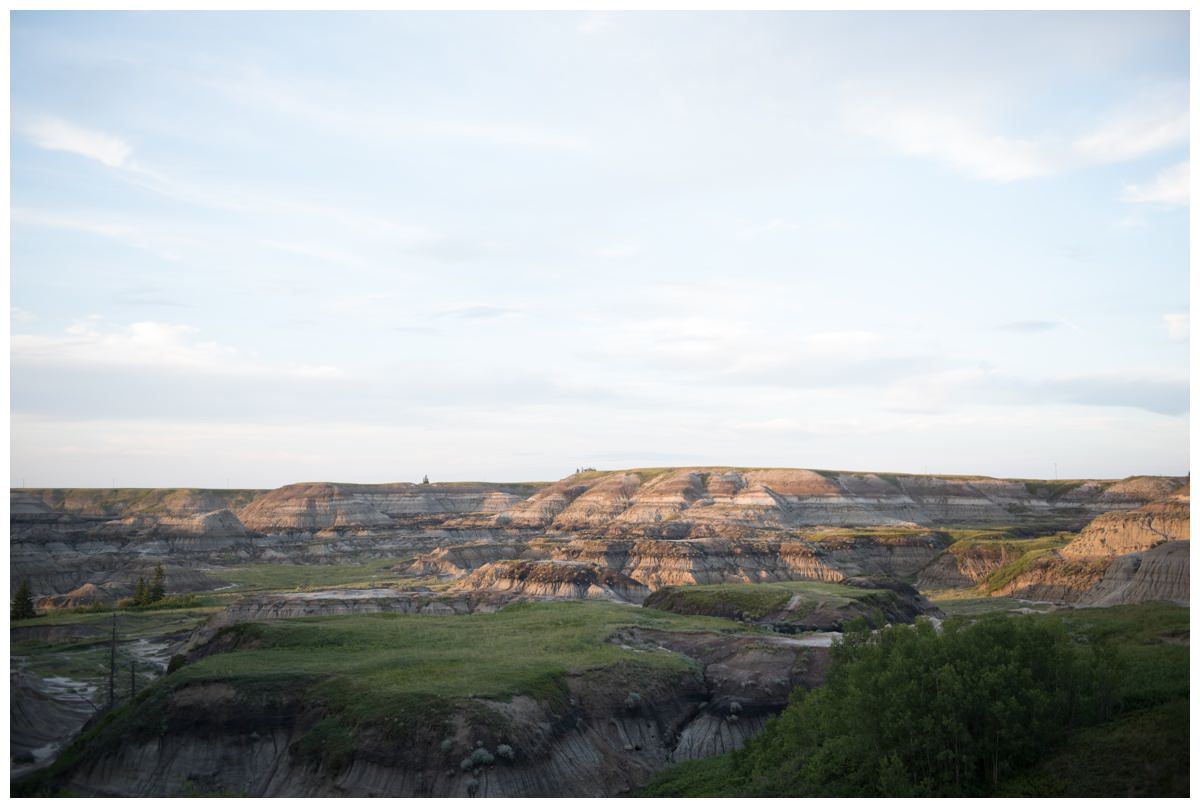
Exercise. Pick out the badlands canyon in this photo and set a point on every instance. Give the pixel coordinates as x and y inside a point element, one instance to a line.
<point>513,639</point>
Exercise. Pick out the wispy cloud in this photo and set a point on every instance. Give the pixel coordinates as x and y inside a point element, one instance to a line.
<point>90,342</point>
<point>1160,394</point>
<point>975,143</point>
<point>1030,326</point>
<point>595,24</point>
<point>618,251</point>
<point>1170,188</point>
<point>1141,129</point>
<point>481,312</point>
<point>1178,326</point>
<point>54,134</point>
<point>133,235</point>
<point>329,107</point>
<point>148,296</point>
<point>931,129</point>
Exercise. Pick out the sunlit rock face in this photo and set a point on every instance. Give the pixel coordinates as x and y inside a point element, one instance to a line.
<point>572,580</point>
<point>681,503</point>
<point>1133,531</point>
<point>321,506</point>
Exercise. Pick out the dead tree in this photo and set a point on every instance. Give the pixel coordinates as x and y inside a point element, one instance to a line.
<point>112,665</point>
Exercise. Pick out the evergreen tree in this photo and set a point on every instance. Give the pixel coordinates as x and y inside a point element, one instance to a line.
<point>141,594</point>
<point>22,603</point>
<point>425,480</point>
<point>157,587</point>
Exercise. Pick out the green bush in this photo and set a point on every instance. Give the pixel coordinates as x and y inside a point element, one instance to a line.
<point>480,757</point>
<point>914,712</point>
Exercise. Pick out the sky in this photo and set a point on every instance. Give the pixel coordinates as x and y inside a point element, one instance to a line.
<point>253,249</point>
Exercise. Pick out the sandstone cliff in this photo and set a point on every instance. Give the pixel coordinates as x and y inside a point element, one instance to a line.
<point>575,580</point>
<point>1158,574</point>
<point>680,503</point>
<point>312,507</point>
<point>1133,531</point>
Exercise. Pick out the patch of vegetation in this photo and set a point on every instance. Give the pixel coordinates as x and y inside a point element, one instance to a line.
<point>650,474</point>
<point>1031,551</point>
<point>166,603</point>
<point>882,533</point>
<point>328,744</point>
<point>1143,754</point>
<point>966,602</point>
<point>479,655</point>
<point>755,601</point>
<point>710,777</point>
<point>110,501</point>
<point>293,577</point>
<point>405,676</point>
<point>1052,490</point>
<point>21,607</point>
<point>1088,702</point>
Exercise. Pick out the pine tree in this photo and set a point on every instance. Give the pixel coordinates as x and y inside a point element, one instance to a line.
<point>22,603</point>
<point>141,595</point>
<point>425,480</point>
<point>157,587</point>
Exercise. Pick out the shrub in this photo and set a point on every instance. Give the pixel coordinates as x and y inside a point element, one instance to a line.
<point>505,751</point>
<point>480,757</point>
<point>633,701</point>
<point>910,711</point>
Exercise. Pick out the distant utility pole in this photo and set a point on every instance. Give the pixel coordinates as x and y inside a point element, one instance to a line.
<point>112,665</point>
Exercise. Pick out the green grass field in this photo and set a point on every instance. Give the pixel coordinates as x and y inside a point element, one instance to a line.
<point>406,676</point>
<point>374,658</point>
<point>293,577</point>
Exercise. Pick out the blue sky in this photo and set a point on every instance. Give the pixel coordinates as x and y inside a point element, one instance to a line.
<point>251,249</point>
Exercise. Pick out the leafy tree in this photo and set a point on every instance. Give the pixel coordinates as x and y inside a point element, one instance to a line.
<point>22,603</point>
<point>911,711</point>
<point>157,589</point>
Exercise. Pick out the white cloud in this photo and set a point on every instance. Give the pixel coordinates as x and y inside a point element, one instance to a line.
<point>1178,326</point>
<point>957,133</point>
<point>479,312</point>
<point>1135,132</point>
<point>329,106</point>
<point>17,315</point>
<point>89,342</point>
<point>1169,188</point>
<point>619,251</point>
<point>841,342</point>
<point>928,129</point>
<point>54,134</point>
<point>306,250</point>
<point>123,232</point>
<point>595,24</point>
